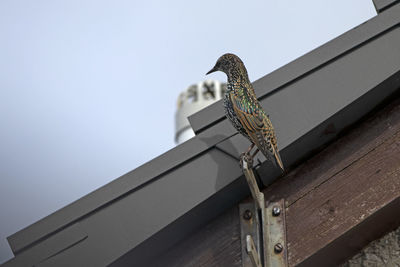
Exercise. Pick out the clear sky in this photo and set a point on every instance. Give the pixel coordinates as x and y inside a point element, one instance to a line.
<point>88,89</point>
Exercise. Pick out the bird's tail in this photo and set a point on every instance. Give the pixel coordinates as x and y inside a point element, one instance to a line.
<point>269,151</point>
<point>277,158</point>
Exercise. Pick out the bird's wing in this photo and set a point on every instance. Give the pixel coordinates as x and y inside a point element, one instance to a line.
<point>257,126</point>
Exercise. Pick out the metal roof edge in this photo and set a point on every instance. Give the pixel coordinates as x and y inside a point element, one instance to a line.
<point>382,5</point>
<point>305,64</point>
<point>117,188</point>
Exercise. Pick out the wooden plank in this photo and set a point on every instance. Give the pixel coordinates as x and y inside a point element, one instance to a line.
<point>348,198</point>
<point>338,201</point>
<point>341,187</point>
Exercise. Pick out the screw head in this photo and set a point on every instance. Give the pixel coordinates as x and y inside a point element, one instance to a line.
<point>278,248</point>
<point>247,215</point>
<point>276,211</point>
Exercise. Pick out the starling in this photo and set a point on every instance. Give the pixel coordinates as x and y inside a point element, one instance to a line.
<point>244,111</point>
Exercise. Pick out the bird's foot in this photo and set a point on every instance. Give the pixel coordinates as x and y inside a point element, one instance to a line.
<point>246,157</point>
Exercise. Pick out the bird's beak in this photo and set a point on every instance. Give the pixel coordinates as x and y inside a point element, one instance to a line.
<point>212,70</point>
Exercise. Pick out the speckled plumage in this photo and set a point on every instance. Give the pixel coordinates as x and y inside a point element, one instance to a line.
<point>243,109</point>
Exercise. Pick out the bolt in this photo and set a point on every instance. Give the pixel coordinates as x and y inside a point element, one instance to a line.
<point>278,248</point>
<point>276,211</point>
<point>247,215</point>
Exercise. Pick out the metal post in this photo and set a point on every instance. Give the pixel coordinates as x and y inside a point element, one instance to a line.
<point>268,230</point>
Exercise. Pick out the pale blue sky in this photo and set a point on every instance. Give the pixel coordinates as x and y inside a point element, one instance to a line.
<point>88,89</point>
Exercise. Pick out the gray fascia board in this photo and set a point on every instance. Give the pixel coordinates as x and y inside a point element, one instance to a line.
<point>170,191</point>
<point>118,188</point>
<point>112,231</point>
<point>381,5</point>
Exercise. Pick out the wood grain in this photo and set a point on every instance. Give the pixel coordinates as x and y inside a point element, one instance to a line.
<point>344,201</point>
<point>342,186</point>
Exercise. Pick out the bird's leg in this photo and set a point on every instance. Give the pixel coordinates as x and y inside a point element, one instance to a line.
<point>247,153</point>
<point>255,153</point>
<point>246,156</point>
<point>250,158</point>
<point>250,148</point>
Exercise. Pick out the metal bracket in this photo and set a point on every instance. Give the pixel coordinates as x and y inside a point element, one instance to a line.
<point>263,229</point>
<point>275,236</point>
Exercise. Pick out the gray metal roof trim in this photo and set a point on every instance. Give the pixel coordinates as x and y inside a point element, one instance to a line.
<point>304,65</point>
<point>115,229</point>
<point>199,215</point>
<point>121,186</point>
<point>382,5</point>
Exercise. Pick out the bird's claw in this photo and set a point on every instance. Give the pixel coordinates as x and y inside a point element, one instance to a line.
<point>246,157</point>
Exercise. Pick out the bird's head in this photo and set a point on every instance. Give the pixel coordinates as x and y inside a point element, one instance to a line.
<point>228,63</point>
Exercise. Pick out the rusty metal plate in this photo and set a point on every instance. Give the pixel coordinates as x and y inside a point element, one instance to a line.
<point>275,235</point>
<point>248,226</point>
